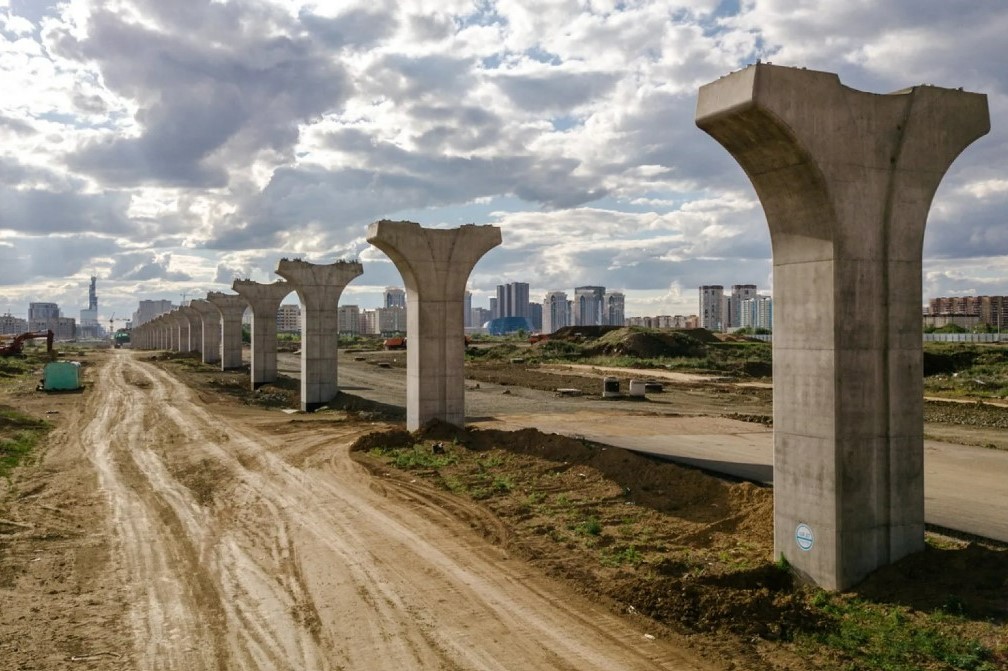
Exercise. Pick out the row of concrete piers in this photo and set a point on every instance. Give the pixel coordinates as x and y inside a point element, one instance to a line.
<point>435,265</point>
<point>846,180</point>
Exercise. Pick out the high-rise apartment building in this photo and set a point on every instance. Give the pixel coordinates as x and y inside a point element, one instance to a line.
<point>467,309</point>
<point>11,325</point>
<point>288,319</point>
<point>494,308</point>
<point>395,297</point>
<point>391,320</point>
<point>148,310</point>
<point>589,305</point>
<point>535,317</point>
<point>757,312</point>
<point>43,312</point>
<point>712,307</point>
<point>348,319</point>
<point>613,309</point>
<point>555,312</point>
<point>513,299</point>
<point>480,316</point>
<point>739,293</point>
<point>991,310</point>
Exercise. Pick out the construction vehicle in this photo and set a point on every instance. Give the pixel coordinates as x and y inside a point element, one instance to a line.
<point>14,347</point>
<point>120,338</point>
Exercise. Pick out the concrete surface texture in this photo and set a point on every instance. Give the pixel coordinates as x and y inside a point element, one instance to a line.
<point>264,299</point>
<point>435,266</point>
<point>179,331</point>
<point>172,327</point>
<point>319,287</point>
<point>846,179</point>
<point>195,331</point>
<point>210,318</point>
<point>232,308</point>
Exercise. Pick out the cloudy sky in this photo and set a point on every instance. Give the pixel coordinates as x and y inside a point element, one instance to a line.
<point>169,147</point>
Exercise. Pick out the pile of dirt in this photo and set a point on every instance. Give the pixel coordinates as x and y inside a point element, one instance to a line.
<point>687,549</point>
<point>581,333</point>
<point>647,344</point>
<point>694,552</point>
<point>977,414</point>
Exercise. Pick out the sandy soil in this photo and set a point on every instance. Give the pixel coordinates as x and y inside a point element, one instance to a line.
<point>165,529</point>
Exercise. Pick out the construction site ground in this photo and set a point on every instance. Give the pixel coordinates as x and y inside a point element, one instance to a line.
<point>174,519</point>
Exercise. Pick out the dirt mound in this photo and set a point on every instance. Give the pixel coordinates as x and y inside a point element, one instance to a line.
<point>647,344</point>
<point>581,332</point>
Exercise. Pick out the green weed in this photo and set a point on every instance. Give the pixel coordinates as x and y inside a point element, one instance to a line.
<point>590,526</point>
<point>21,435</point>
<point>620,556</point>
<point>884,638</point>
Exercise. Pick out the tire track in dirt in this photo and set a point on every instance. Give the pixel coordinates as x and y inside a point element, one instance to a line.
<point>327,568</point>
<point>156,565</point>
<point>203,599</point>
<point>393,591</point>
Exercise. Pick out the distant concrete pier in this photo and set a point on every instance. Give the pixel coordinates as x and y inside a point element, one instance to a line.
<point>211,329</point>
<point>264,299</point>
<point>319,287</point>
<point>435,265</point>
<point>231,308</point>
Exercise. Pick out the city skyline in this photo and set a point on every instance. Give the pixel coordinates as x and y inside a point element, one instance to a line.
<point>569,126</point>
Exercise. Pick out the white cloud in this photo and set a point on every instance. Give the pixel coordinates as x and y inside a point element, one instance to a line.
<point>182,143</point>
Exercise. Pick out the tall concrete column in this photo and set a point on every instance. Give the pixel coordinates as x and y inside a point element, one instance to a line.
<point>195,331</point>
<point>846,179</point>
<point>319,288</point>
<point>231,309</point>
<point>435,265</point>
<point>264,299</point>
<point>172,332</point>
<point>210,329</point>
<point>181,331</point>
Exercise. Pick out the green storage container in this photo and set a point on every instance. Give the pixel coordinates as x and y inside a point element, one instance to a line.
<point>61,375</point>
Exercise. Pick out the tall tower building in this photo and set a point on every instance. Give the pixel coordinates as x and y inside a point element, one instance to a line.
<point>555,311</point>
<point>467,309</point>
<point>711,300</point>
<point>513,299</point>
<point>613,309</point>
<point>43,312</point>
<point>395,297</point>
<point>739,293</point>
<point>89,327</point>
<point>588,305</point>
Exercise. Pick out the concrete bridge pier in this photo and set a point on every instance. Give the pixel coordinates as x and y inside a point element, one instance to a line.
<point>195,331</point>
<point>210,330</point>
<point>181,331</point>
<point>171,332</point>
<point>231,308</point>
<point>435,265</point>
<point>264,299</point>
<point>319,288</point>
<point>846,180</point>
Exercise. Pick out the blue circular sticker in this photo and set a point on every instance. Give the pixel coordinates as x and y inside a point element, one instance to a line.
<point>804,537</point>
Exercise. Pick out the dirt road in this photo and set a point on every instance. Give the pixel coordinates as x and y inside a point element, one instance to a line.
<point>244,539</point>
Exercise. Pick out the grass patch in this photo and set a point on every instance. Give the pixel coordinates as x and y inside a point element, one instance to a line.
<point>628,555</point>
<point>590,526</point>
<point>413,458</point>
<point>19,435</point>
<point>890,638</point>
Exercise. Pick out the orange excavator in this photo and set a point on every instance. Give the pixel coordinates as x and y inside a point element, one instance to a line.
<point>14,347</point>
